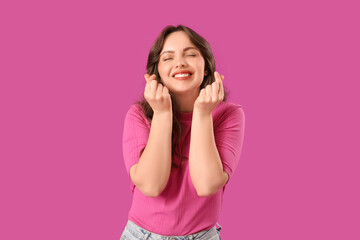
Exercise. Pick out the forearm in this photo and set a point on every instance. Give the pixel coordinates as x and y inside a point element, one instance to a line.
<point>205,165</point>
<point>153,169</point>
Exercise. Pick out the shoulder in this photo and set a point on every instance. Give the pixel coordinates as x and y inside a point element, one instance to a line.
<point>136,108</point>
<point>228,109</point>
<point>136,113</point>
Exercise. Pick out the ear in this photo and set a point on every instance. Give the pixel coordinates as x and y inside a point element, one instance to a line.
<point>206,73</point>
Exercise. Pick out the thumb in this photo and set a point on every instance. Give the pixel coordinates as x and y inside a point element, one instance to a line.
<point>146,76</point>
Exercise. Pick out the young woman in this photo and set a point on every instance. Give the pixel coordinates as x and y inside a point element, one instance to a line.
<point>181,143</point>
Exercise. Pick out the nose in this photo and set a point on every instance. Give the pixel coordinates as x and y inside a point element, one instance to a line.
<point>181,62</point>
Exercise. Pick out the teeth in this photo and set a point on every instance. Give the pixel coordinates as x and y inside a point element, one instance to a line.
<point>182,75</point>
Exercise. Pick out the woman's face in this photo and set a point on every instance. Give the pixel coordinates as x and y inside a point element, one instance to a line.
<point>181,65</point>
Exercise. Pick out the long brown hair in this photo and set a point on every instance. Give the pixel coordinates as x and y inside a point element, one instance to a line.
<point>152,68</point>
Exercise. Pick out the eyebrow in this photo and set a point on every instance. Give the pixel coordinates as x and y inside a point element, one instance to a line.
<point>185,49</point>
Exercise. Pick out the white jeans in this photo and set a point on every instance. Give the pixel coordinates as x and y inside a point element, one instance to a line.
<point>134,232</point>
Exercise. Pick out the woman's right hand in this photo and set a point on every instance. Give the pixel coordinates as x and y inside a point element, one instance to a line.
<point>157,95</point>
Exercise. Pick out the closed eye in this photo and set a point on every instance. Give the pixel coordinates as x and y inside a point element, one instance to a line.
<point>191,55</point>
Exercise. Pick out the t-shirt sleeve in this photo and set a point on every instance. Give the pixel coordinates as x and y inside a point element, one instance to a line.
<point>135,137</point>
<point>229,137</point>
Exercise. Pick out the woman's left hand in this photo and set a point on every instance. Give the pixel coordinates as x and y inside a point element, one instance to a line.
<point>210,96</point>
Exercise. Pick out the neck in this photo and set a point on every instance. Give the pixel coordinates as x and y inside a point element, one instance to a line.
<point>184,102</point>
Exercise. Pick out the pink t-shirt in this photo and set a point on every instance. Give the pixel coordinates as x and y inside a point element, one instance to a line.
<point>178,210</point>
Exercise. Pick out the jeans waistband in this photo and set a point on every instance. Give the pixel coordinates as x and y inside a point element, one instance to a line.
<point>141,233</point>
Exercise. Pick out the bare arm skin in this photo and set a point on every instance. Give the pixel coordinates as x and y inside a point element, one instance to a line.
<point>151,174</point>
<point>206,168</point>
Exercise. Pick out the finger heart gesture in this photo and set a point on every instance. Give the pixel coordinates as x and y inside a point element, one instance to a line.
<point>210,96</point>
<point>157,95</point>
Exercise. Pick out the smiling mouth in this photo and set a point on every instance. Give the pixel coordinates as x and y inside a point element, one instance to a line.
<point>182,76</point>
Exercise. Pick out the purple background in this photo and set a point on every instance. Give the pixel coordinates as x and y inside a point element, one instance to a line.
<point>70,70</point>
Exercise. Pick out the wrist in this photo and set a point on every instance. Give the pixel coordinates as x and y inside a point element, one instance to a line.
<point>167,113</point>
<point>201,113</point>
